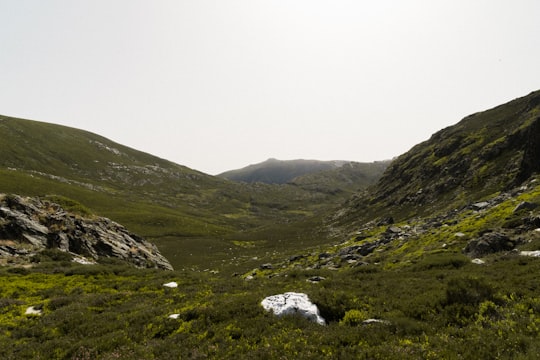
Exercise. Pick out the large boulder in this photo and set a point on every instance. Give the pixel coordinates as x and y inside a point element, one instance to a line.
<point>31,224</point>
<point>489,243</point>
<point>292,303</point>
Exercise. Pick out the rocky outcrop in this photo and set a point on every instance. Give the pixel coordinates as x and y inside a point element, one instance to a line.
<point>487,152</point>
<point>489,243</point>
<point>292,303</point>
<point>29,225</point>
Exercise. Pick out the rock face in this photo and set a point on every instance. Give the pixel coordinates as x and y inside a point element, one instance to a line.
<point>291,303</point>
<point>28,225</point>
<point>486,152</point>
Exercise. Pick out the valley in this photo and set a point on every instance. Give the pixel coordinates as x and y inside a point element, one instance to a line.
<point>432,255</point>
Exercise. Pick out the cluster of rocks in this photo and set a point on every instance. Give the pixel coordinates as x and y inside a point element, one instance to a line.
<point>29,225</point>
<point>353,255</point>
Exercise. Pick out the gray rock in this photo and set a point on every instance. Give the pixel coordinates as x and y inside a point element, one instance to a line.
<point>480,205</point>
<point>393,230</point>
<point>489,243</point>
<point>525,205</point>
<point>386,221</point>
<point>296,258</point>
<point>375,321</point>
<point>46,225</point>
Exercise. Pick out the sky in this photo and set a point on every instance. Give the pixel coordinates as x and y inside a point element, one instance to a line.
<point>217,85</point>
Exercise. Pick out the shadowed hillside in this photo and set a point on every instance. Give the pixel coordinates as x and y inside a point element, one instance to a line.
<point>484,153</point>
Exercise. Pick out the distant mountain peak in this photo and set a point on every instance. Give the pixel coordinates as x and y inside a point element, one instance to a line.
<point>274,171</point>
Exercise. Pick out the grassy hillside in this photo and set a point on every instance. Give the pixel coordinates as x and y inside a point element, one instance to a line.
<point>484,153</point>
<point>430,302</point>
<point>194,217</point>
<point>438,260</point>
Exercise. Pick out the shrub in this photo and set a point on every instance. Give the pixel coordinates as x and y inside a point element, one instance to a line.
<point>463,297</point>
<point>468,291</point>
<point>55,255</point>
<point>354,317</point>
<point>442,261</point>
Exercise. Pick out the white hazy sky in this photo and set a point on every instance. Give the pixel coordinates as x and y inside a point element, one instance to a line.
<point>220,84</point>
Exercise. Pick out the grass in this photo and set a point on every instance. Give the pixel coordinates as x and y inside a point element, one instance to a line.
<point>433,302</point>
<point>114,311</point>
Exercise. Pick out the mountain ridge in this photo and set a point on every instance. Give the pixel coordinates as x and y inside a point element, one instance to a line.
<point>484,153</point>
<point>274,171</point>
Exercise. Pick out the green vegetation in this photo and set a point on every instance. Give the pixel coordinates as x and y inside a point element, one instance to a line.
<point>179,209</point>
<point>386,267</point>
<point>114,311</point>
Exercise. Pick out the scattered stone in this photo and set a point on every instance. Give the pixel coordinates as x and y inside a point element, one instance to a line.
<point>174,316</point>
<point>375,321</point>
<point>386,221</point>
<point>171,284</point>
<point>350,257</point>
<point>525,205</point>
<point>292,303</point>
<point>489,243</point>
<point>266,266</point>
<point>324,255</point>
<point>480,205</point>
<point>459,234</point>
<point>316,279</point>
<point>478,261</point>
<point>532,221</point>
<point>535,253</point>
<point>83,261</point>
<point>393,230</point>
<point>296,258</point>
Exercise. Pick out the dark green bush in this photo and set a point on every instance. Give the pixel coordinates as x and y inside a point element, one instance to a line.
<point>442,261</point>
<point>468,291</point>
<point>55,255</point>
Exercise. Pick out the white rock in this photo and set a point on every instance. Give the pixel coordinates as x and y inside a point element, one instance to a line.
<point>83,261</point>
<point>375,321</point>
<point>293,303</point>
<point>535,253</point>
<point>32,311</point>
<point>171,284</point>
<point>478,261</point>
<point>174,316</point>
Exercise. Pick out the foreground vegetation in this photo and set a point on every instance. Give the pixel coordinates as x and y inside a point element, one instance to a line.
<point>431,301</point>
<point>450,309</point>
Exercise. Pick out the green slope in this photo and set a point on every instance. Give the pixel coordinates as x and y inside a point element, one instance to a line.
<point>184,211</point>
<point>428,298</point>
<point>484,153</point>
